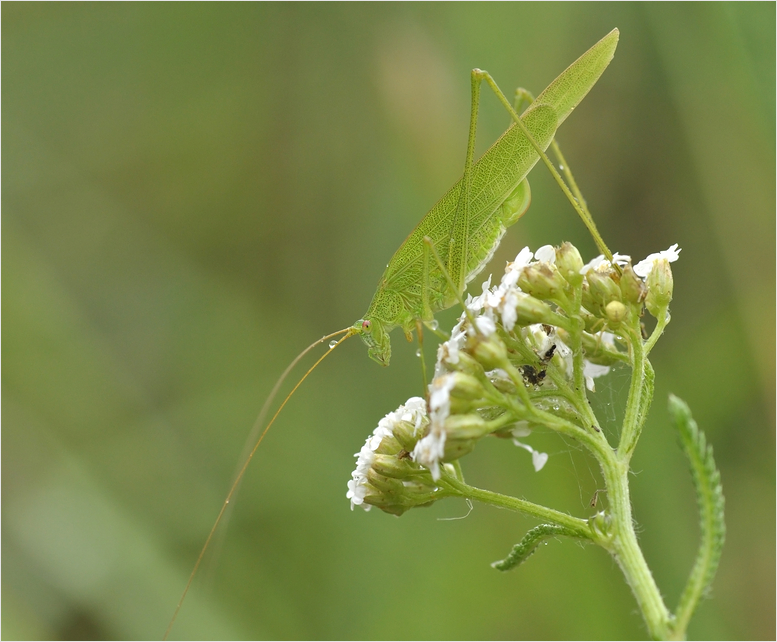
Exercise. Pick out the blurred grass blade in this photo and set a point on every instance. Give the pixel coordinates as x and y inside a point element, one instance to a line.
<point>709,495</point>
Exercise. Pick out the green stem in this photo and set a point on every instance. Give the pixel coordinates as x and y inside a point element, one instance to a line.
<point>624,548</point>
<point>632,421</point>
<point>661,323</point>
<point>580,527</point>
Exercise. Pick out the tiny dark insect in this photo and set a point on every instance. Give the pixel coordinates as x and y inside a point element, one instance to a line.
<point>548,355</point>
<point>534,376</point>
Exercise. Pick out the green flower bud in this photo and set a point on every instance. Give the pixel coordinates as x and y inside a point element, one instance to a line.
<point>569,263</point>
<point>632,287</point>
<point>399,503</point>
<point>541,280</point>
<point>382,483</point>
<point>389,445</point>
<point>592,305</point>
<point>530,310</point>
<point>459,406</point>
<point>616,313</point>
<point>490,353</point>
<point>660,285</point>
<point>392,467</point>
<point>468,365</point>
<point>457,448</point>
<point>603,288</point>
<point>405,437</point>
<point>466,386</point>
<point>470,426</point>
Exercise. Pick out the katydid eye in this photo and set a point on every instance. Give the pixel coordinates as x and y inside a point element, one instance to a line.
<point>366,325</point>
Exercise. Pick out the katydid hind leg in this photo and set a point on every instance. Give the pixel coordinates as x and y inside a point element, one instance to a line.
<point>419,328</point>
<point>523,100</point>
<point>582,212</point>
<point>455,272</point>
<point>460,232</point>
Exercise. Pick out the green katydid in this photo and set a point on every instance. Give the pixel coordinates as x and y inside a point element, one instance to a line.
<point>457,237</point>
<point>467,224</point>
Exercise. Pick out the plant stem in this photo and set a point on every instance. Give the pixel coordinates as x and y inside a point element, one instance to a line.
<point>624,548</point>
<point>579,526</point>
<point>623,544</point>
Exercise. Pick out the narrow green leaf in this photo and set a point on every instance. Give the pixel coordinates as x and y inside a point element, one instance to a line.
<point>524,549</point>
<point>709,495</point>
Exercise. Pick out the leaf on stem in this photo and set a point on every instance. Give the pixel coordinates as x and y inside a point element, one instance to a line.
<point>709,495</point>
<point>524,549</point>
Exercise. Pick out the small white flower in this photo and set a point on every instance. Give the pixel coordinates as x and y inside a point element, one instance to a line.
<point>508,308</point>
<point>520,429</point>
<point>591,371</point>
<point>448,351</point>
<point>476,304</point>
<point>542,340</point>
<point>523,259</point>
<point>538,459</point>
<point>621,259</point>
<point>600,264</point>
<point>546,254</point>
<point>430,450</point>
<point>594,264</point>
<point>644,267</point>
<point>485,325</point>
<point>440,398</point>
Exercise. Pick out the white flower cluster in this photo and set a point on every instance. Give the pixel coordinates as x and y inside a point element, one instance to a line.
<point>535,321</point>
<point>413,412</point>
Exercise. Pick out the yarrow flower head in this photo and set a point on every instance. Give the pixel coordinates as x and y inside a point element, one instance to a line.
<point>519,359</point>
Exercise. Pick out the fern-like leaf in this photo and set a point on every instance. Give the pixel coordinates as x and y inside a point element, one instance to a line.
<point>709,495</point>
<point>524,549</point>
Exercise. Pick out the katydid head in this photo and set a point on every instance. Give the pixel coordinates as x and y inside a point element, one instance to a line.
<point>372,333</point>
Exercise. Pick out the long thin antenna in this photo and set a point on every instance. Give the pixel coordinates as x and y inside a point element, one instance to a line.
<point>348,332</point>
<point>253,436</point>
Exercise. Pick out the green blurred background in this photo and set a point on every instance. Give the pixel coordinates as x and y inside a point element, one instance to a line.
<point>192,193</point>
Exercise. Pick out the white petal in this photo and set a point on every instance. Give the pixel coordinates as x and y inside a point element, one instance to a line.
<point>486,326</point>
<point>523,259</point>
<point>539,460</point>
<point>546,254</point>
<point>593,264</point>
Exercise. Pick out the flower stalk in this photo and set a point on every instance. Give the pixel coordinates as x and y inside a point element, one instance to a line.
<point>525,355</point>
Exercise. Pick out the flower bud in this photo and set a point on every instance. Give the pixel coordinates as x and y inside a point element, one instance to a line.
<point>470,426</point>
<point>490,353</point>
<point>382,483</point>
<point>457,448</point>
<point>603,288</point>
<point>389,445</point>
<point>660,285</point>
<point>468,365</point>
<point>466,386</point>
<point>392,467</point>
<point>530,310</point>
<point>616,313</point>
<point>569,263</point>
<point>412,495</point>
<point>632,287</point>
<point>542,280</point>
<point>405,436</point>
